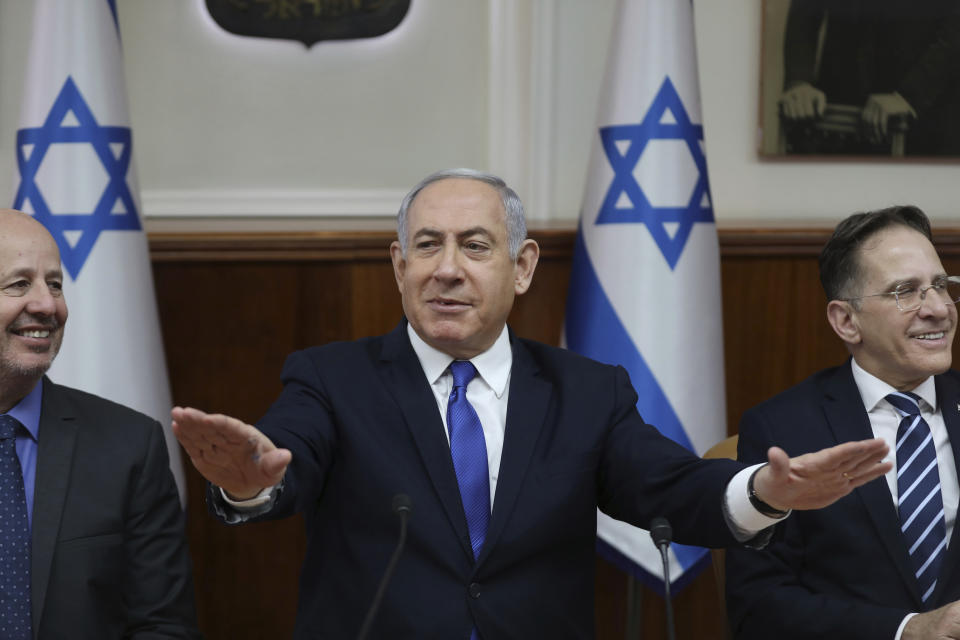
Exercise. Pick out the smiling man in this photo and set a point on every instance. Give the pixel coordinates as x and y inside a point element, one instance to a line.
<point>865,566</point>
<point>91,532</point>
<point>505,447</point>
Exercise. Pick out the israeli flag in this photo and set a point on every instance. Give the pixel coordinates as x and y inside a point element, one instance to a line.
<point>75,163</point>
<point>645,286</point>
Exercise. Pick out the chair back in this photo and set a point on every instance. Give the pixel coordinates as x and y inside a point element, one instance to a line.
<point>724,449</point>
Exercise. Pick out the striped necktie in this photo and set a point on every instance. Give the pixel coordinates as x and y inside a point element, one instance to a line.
<point>919,501</point>
<point>15,539</point>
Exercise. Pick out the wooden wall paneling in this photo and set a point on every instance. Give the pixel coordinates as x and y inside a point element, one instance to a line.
<point>375,297</point>
<point>227,328</point>
<point>775,329</point>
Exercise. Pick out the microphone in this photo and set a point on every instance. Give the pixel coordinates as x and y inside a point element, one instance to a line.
<point>403,507</point>
<point>661,532</point>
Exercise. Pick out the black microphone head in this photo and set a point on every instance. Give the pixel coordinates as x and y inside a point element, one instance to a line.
<point>403,504</point>
<point>660,531</point>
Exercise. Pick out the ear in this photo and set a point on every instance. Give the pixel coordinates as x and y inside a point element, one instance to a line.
<point>399,263</point>
<point>843,319</point>
<point>526,264</point>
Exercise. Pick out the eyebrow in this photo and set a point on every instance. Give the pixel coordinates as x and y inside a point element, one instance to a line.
<point>466,233</point>
<point>915,282</point>
<point>24,272</point>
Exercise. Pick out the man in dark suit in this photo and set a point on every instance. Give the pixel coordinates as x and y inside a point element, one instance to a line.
<point>506,448</point>
<point>91,530</point>
<point>864,566</point>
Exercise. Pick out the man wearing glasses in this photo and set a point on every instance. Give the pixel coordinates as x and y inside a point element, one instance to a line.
<point>879,563</point>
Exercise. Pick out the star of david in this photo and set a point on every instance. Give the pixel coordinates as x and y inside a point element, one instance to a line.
<point>114,210</point>
<point>624,144</point>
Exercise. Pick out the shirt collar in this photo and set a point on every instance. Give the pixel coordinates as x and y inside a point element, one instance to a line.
<point>27,411</point>
<point>493,365</point>
<point>873,389</point>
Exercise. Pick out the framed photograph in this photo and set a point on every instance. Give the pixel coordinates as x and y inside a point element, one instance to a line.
<point>877,78</point>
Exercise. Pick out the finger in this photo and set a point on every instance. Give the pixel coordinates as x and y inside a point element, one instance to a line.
<point>819,103</point>
<point>852,453</point>
<point>860,478</point>
<point>864,460</point>
<point>787,109</point>
<point>187,437</point>
<point>217,428</point>
<point>867,473</point>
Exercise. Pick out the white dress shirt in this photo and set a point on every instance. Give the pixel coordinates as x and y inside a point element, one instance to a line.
<point>885,421</point>
<point>489,393</point>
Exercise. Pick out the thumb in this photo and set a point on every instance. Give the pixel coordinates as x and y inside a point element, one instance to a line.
<point>273,464</point>
<point>779,464</point>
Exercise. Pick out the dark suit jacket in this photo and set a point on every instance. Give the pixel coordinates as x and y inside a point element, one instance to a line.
<point>109,555</point>
<point>842,571</point>
<point>363,425</point>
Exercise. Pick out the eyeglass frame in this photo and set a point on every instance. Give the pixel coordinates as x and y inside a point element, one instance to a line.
<point>941,281</point>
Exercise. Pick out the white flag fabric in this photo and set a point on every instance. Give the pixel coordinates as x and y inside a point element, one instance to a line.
<point>75,164</point>
<point>645,283</point>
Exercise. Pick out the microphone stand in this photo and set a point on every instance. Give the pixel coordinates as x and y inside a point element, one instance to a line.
<point>403,507</point>
<point>661,532</point>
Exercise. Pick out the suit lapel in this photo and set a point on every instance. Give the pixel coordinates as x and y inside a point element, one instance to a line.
<point>56,439</point>
<point>948,398</point>
<point>848,420</point>
<point>527,406</point>
<point>403,376</point>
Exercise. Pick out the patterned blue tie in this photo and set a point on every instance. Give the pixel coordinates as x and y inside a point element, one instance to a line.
<point>918,484</point>
<point>14,539</point>
<point>469,452</point>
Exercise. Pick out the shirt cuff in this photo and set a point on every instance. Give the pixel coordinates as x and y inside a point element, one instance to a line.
<point>902,625</point>
<point>258,500</point>
<point>745,520</point>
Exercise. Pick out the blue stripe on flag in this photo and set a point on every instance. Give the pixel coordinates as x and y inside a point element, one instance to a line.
<point>594,330</point>
<point>612,555</point>
<point>113,9</point>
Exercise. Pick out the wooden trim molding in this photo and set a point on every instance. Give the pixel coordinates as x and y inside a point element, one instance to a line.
<point>334,245</point>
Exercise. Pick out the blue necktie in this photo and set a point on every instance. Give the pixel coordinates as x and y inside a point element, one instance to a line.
<point>14,539</point>
<point>919,501</point>
<point>469,452</point>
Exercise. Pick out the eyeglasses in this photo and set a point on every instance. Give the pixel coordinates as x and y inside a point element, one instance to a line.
<point>910,297</point>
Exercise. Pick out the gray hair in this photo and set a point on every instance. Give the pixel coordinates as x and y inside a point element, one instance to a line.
<point>516,225</point>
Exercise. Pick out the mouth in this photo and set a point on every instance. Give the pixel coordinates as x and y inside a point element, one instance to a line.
<point>447,304</point>
<point>34,333</point>
<point>930,336</point>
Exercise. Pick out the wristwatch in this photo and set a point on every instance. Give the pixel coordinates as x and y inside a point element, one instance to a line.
<point>759,504</point>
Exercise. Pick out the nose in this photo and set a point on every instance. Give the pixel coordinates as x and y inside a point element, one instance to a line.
<point>448,266</point>
<point>42,300</point>
<point>934,303</point>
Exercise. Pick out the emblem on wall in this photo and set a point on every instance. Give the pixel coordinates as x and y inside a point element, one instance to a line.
<point>308,21</point>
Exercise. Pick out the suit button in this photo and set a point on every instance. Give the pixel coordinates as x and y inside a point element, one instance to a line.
<point>474,590</point>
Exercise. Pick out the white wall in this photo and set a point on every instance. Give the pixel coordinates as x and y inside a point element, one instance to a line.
<point>227,126</point>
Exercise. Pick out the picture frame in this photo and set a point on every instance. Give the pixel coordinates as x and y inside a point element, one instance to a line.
<point>860,78</point>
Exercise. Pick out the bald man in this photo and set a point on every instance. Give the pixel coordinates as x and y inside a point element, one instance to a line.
<point>92,540</point>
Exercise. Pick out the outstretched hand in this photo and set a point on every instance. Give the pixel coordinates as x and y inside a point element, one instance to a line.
<point>229,453</point>
<point>939,624</point>
<point>815,480</point>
